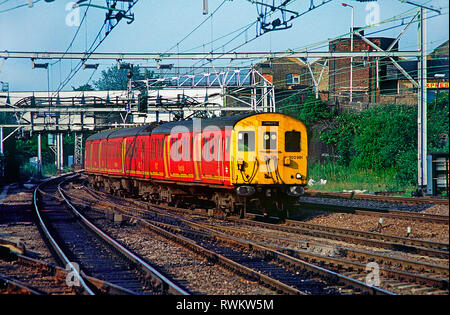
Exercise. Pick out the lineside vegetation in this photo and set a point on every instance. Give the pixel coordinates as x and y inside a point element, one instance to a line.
<point>374,149</point>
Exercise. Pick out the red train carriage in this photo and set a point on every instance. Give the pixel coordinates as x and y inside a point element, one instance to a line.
<point>230,161</point>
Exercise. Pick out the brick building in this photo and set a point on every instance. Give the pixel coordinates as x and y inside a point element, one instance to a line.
<point>285,73</point>
<point>369,73</point>
<point>437,77</point>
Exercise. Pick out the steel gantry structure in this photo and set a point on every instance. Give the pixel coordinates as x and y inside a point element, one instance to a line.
<point>154,89</point>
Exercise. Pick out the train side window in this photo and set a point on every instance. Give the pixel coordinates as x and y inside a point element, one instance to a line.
<point>246,141</point>
<point>270,140</point>
<point>292,141</point>
<point>227,144</point>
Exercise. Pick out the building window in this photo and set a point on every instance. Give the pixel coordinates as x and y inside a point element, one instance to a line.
<point>293,79</point>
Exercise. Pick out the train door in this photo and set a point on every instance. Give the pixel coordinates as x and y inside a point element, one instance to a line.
<point>269,153</point>
<point>166,156</point>
<point>246,155</point>
<point>197,155</point>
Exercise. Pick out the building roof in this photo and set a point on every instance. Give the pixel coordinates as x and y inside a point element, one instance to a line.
<point>440,52</point>
<point>436,68</point>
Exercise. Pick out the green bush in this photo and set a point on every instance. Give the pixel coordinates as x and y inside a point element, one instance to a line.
<point>385,138</point>
<point>309,111</point>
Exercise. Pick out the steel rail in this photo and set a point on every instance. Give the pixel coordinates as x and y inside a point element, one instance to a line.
<point>160,278</point>
<point>197,249</point>
<point>352,195</point>
<point>442,248</point>
<point>53,242</point>
<point>58,274</point>
<point>398,214</point>
<point>283,258</point>
<point>406,263</point>
<point>11,285</point>
<point>263,250</point>
<point>421,247</point>
<point>354,263</point>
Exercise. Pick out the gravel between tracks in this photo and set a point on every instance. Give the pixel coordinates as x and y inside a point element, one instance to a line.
<point>394,226</point>
<point>196,274</point>
<point>17,223</point>
<point>375,204</point>
<point>419,230</point>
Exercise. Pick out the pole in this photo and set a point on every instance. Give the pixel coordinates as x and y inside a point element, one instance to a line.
<point>39,155</point>
<point>1,140</point>
<point>61,138</point>
<point>351,59</point>
<point>422,104</point>
<point>2,166</point>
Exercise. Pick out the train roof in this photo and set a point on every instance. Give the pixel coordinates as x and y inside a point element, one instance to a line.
<point>225,122</point>
<point>123,132</point>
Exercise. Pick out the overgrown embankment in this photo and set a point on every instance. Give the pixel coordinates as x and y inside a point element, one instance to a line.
<point>375,149</point>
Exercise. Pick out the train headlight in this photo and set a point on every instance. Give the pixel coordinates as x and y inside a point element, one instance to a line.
<point>298,176</point>
<point>245,190</point>
<point>296,191</point>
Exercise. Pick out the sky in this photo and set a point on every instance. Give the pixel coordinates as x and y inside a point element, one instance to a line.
<point>160,25</point>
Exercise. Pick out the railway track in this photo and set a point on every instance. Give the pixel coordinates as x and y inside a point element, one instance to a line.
<point>431,282</point>
<point>373,239</point>
<point>75,239</point>
<point>398,214</point>
<point>20,274</point>
<point>437,283</point>
<point>252,265</point>
<point>400,274</point>
<point>352,195</point>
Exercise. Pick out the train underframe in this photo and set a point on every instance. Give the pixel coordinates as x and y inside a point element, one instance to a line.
<point>263,199</point>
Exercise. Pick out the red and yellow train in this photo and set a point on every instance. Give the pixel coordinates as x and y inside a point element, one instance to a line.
<point>235,162</point>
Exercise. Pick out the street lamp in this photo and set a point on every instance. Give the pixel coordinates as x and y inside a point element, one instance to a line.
<point>351,49</point>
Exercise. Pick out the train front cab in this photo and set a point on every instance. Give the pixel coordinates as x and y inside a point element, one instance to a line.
<point>270,159</point>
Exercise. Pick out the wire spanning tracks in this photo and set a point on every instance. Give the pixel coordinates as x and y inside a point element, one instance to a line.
<point>74,240</point>
<point>289,274</point>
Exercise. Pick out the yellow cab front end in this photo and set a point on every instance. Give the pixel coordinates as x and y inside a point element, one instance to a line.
<point>270,156</point>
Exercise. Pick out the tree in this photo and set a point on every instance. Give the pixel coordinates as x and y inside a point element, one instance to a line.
<point>84,87</point>
<point>309,111</point>
<point>115,79</point>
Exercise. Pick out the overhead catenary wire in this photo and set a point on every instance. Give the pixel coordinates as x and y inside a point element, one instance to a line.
<point>92,49</point>
<point>17,6</point>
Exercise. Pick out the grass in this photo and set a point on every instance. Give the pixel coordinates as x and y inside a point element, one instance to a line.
<point>340,178</point>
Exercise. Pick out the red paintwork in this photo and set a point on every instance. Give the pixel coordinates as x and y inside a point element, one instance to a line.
<point>167,157</point>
